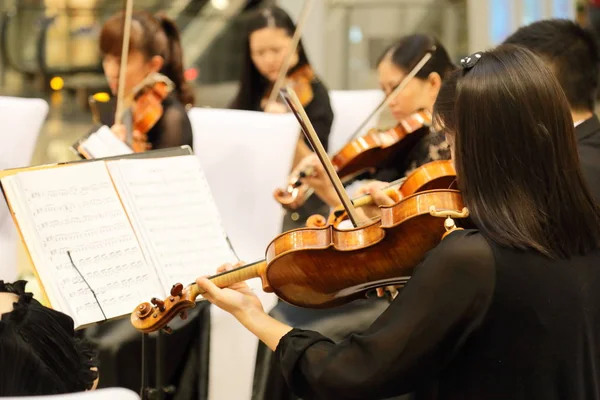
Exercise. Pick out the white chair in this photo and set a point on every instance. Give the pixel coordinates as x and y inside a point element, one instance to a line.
<point>350,109</point>
<point>21,120</point>
<point>99,394</point>
<point>245,156</point>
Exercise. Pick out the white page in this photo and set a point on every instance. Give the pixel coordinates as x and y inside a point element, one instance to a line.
<point>76,209</point>
<point>175,214</point>
<point>104,143</point>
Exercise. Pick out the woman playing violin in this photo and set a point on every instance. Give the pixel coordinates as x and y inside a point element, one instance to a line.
<point>509,310</point>
<point>420,94</point>
<point>155,55</point>
<point>269,37</point>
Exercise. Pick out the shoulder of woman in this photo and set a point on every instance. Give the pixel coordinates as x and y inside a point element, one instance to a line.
<point>466,247</point>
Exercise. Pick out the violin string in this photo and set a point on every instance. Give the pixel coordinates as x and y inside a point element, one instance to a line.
<point>88,285</point>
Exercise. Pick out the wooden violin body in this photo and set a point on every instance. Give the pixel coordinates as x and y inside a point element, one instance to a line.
<point>369,151</point>
<point>336,266</point>
<point>326,267</point>
<point>147,107</point>
<point>377,146</point>
<point>300,80</point>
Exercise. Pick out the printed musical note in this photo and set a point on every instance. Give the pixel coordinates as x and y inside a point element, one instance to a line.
<point>77,209</point>
<point>175,215</point>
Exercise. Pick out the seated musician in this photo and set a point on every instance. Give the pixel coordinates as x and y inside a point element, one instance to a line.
<point>269,36</point>
<point>154,53</point>
<point>420,94</point>
<point>509,310</point>
<point>39,354</point>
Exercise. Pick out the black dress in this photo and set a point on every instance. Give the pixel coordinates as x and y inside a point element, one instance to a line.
<point>338,322</point>
<point>174,128</point>
<point>476,321</point>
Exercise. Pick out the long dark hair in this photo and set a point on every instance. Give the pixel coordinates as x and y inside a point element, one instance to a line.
<point>152,36</point>
<point>516,155</point>
<point>252,84</point>
<point>409,50</point>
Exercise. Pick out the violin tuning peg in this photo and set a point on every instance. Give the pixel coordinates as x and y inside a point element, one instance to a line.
<point>167,330</point>
<point>144,310</point>
<point>177,289</point>
<point>184,315</point>
<point>158,303</point>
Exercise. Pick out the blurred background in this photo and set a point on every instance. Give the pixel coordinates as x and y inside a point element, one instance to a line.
<point>48,48</point>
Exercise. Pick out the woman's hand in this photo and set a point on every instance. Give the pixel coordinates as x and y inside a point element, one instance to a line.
<point>246,307</point>
<point>375,190</point>
<point>276,108</point>
<point>120,131</point>
<point>139,141</point>
<point>238,299</point>
<point>317,178</point>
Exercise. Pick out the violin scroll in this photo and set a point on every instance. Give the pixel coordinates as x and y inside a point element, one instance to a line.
<point>149,317</point>
<point>288,196</point>
<point>316,221</point>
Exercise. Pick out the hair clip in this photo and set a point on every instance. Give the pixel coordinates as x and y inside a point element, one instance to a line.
<point>268,15</point>
<point>469,62</point>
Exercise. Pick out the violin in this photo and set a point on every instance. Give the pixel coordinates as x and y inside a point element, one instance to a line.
<point>300,81</point>
<point>439,174</point>
<point>372,149</point>
<point>326,267</point>
<point>368,151</point>
<point>147,108</point>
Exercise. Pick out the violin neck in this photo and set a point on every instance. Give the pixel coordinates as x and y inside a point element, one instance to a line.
<point>237,275</point>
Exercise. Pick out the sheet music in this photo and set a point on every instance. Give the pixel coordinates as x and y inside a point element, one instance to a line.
<point>175,214</point>
<point>104,143</point>
<point>77,209</point>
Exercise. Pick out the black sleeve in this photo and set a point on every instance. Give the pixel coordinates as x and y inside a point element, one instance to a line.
<point>413,340</point>
<point>320,113</point>
<point>175,129</point>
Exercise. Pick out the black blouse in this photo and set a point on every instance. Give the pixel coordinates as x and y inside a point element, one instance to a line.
<point>174,128</point>
<point>476,321</point>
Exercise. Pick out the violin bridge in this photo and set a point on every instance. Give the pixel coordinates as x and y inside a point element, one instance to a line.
<point>449,223</point>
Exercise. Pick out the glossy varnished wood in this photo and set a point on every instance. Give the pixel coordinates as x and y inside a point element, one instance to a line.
<point>323,275</point>
<point>377,146</point>
<point>438,174</point>
<point>369,151</point>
